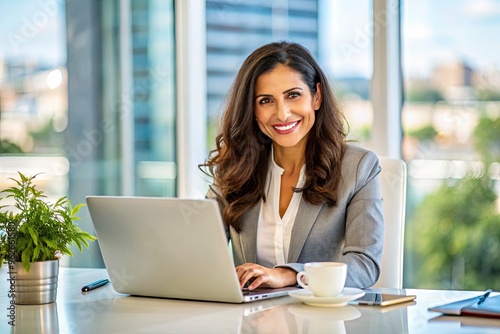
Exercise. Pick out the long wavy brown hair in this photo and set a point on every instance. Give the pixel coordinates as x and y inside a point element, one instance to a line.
<point>240,161</point>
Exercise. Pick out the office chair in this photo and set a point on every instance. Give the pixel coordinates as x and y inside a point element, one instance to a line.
<point>393,190</point>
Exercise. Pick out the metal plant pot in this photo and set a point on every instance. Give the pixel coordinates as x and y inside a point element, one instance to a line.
<point>38,285</point>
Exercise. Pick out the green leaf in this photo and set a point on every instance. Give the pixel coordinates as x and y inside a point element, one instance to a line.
<point>49,243</point>
<point>79,245</point>
<point>34,235</point>
<point>36,253</point>
<point>75,210</point>
<point>66,250</point>
<point>60,202</point>
<point>25,258</point>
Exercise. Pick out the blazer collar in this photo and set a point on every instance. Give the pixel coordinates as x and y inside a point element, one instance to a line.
<point>304,221</point>
<point>248,235</point>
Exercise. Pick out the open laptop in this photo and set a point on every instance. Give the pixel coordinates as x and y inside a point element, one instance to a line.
<point>170,248</point>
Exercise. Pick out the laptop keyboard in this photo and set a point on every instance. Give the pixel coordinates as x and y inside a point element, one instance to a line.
<point>247,292</point>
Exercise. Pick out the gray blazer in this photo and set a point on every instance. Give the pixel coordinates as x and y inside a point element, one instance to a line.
<point>350,232</point>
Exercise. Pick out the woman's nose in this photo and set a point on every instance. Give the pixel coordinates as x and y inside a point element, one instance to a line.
<point>282,112</point>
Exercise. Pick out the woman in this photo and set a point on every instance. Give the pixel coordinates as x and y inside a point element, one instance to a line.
<point>291,189</point>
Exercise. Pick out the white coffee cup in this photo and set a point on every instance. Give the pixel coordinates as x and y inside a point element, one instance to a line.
<point>323,279</point>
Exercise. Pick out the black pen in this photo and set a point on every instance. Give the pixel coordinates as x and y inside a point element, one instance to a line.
<point>483,297</point>
<point>95,285</point>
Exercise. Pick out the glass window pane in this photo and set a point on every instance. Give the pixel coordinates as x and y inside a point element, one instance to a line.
<point>154,97</point>
<point>33,94</point>
<point>346,55</point>
<point>150,106</point>
<point>451,121</point>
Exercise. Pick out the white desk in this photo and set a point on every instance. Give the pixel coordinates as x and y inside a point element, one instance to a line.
<point>105,311</point>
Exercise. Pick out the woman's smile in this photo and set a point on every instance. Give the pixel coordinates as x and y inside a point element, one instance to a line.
<point>286,128</point>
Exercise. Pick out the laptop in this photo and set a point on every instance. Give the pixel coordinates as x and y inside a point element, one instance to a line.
<point>169,248</point>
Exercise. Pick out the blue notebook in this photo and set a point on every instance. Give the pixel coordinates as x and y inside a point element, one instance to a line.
<point>479,306</point>
<point>490,308</point>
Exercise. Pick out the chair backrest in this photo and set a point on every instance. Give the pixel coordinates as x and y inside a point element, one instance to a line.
<point>393,190</point>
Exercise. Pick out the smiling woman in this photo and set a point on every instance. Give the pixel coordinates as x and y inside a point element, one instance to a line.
<point>290,188</point>
<point>285,106</point>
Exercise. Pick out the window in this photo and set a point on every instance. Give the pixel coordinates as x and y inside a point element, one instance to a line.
<point>346,54</point>
<point>451,120</point>
<point>87,98</point>
<point>33,94</point>
<point>138,54</point>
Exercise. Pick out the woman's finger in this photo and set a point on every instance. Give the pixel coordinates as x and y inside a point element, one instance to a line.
<point>249,273</point>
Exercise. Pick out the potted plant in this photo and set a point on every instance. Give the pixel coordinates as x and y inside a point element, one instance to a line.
<point>33,238</point>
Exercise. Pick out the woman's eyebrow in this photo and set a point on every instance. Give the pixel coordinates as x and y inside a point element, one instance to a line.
<point>286,91</point>
<point>289,90</point>
<point>263,95</point>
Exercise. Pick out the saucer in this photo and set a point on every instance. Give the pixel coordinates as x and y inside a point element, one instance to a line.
<point>347,295</point>
<point>341,313</point>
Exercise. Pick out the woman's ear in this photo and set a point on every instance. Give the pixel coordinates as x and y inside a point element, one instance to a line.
<point>318,97</point>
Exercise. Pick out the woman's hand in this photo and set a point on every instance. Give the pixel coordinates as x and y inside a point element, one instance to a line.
<point>268,277</point>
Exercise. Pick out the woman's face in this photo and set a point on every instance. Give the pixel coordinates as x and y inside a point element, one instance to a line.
<point>285,107</point>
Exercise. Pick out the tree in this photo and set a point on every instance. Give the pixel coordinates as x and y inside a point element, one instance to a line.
<point>458,237</point>
<point>8,147</point>
<point>455,232</point>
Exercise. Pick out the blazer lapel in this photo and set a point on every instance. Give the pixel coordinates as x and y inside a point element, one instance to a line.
<point>248,239</point>
<point>306,217</point>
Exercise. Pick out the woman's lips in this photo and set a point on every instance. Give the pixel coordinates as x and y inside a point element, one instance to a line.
<point>286,128</point>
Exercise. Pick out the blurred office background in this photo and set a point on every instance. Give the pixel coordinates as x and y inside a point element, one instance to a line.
<point>123,97</point>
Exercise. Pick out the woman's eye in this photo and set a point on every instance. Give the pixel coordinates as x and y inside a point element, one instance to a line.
<point>293,95</point>
<point>264,100</point>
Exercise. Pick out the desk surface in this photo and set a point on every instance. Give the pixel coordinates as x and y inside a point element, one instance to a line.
<point>105,311</point>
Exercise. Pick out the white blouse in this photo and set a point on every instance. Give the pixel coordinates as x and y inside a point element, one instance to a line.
<point>274,232</point>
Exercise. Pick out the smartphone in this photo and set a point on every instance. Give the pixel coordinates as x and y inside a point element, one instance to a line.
<point>382,299</point>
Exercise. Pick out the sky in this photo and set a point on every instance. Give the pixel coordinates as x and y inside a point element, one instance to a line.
<point>33,29</point>
<point>433,32</point>
<point>448,30</point>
